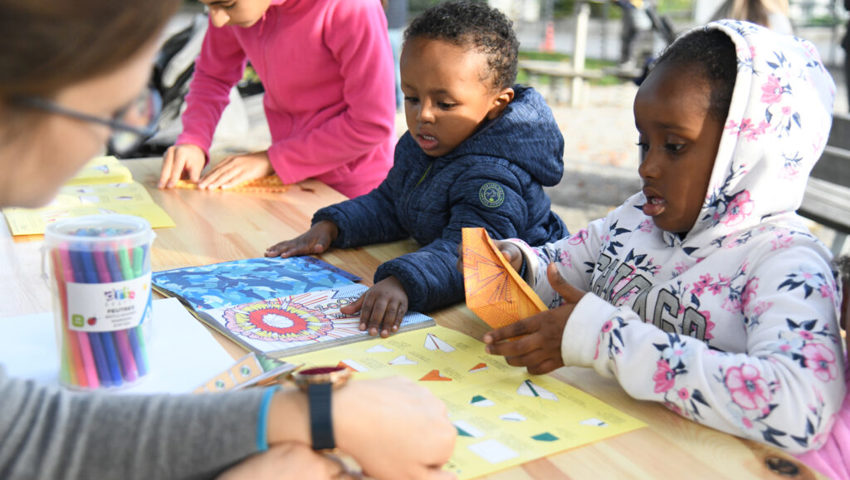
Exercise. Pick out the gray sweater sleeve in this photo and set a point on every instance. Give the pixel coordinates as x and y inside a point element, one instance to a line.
<point>47,432</point>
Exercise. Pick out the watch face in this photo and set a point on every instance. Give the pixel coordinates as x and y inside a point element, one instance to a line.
<point>320,370</point>
<point>336,375</point>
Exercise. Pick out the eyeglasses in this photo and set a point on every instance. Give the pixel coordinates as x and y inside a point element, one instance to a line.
<point>131,125</point>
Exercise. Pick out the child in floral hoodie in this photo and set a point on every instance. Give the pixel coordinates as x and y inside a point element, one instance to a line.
<point>705,291</point>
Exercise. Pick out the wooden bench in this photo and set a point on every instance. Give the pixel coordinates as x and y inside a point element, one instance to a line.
<point>561,76</point>
<point>827,199</point>
<point>561,73</point>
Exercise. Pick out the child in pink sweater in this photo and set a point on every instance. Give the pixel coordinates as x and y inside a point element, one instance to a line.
<point>327,70</point>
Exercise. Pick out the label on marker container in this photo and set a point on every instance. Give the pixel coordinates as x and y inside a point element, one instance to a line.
<point>106,307</point>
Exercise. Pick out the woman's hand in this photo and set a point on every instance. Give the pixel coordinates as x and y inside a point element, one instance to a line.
<point>381,308</point>
<point>535,342</point>
<point>181,161</point>
<point>394,429</point>
<point>316,240</point>
<point>287,461</point>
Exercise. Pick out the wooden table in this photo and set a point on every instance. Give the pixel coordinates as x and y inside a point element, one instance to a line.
<point>217,226</point>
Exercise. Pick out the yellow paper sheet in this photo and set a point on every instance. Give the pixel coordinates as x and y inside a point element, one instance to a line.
<point>105,169</point>
<point>503,415</point>
<point>129,198</point>
<point>494,290</point>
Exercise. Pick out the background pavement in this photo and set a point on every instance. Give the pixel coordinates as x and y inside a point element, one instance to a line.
<point>600,159</point>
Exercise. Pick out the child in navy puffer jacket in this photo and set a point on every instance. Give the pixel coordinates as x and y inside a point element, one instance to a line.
<point>477,153</point>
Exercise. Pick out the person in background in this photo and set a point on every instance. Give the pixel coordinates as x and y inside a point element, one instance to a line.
<point>477,153</point>
<point>327,71</point>
<point>71,75</point>
<point>773,14</point>
<point>396,23</point>
<point>706,292</point>
<point>845,44</point>
<point>628,30</point>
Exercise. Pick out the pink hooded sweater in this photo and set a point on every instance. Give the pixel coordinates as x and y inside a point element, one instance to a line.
<point>327,69</point>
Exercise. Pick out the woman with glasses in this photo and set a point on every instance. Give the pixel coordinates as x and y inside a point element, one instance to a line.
<point>327,70</point>
<point>70,77</point>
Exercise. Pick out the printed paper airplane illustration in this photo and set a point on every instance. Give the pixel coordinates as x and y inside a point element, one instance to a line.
<point>379,349</point>
<point>494,290</point>
<point>352,365</point>
<point>530,389</point>
<point>466,429</point>
<point>478,368</point>
<point>481,401</point>
<point>402,360</point>
<point>434,376</point>
<point>433,342</point>
<point>512,417</point>
<point>544,437</point>
<point>593,422</point>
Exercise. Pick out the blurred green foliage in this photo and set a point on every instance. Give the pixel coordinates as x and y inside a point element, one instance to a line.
<point>566,8</point>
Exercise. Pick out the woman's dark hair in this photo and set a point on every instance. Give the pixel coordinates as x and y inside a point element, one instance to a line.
<point>712,52</point>
<point>49,44</point>
<point>473,24</point>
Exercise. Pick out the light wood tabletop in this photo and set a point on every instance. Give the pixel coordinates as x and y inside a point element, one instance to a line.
<point>219,226</point>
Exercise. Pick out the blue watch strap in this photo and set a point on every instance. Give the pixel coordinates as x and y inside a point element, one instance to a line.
<point>263,418</point>
<point>321,422</point>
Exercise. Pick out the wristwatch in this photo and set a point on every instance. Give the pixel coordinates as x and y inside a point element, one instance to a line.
<point>318,382</point>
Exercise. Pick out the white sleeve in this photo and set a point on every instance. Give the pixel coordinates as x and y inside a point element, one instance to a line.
<point>576,254</point>
<point>784,390</point>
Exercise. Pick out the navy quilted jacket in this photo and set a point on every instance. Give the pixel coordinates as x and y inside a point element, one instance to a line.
<point>494,179</point>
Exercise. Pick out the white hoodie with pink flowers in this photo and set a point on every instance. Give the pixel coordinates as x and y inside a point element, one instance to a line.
<point>735,325</point>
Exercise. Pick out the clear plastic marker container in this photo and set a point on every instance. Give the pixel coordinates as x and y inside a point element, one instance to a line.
<point>100,278</point>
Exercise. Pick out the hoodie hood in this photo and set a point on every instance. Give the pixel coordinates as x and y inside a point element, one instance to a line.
<point>778,123</point>
<point>525,134</point>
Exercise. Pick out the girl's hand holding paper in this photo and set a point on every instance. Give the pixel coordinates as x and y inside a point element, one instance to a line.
<point>539,348</point>
<point>494,290</point>
<point>500,297</point>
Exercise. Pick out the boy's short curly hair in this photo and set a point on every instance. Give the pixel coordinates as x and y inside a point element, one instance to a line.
<point>473,24</point>
<point>713,53</point>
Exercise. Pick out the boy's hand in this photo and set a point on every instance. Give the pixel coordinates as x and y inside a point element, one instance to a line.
<point>381,308</point>
<point>237,169</point>
<point>181,161</point>
<point>508,249</point>
<point>318,239</point>
<point>539,345</point>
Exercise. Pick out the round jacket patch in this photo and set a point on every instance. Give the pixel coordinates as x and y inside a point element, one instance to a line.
<point>491,195</point>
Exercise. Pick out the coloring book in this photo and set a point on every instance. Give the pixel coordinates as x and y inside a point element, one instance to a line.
<point>243,281</point>
<point>303,322</point>
<point>503,415</point>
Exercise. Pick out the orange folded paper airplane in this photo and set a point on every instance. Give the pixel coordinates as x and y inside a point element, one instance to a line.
<point>269,184</point>
<point>494,290</point>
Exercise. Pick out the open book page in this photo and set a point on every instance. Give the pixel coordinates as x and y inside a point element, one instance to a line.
<point>225,284</point>
<point>285,326</point>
